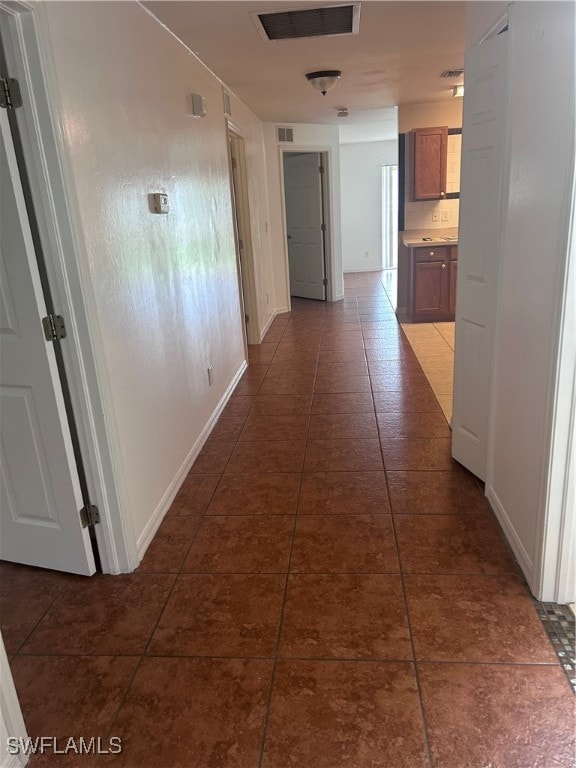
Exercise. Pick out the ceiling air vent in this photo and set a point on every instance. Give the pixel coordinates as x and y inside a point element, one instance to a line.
<point>286,134</point>
<point>309,22</point>
<point>450,73</point>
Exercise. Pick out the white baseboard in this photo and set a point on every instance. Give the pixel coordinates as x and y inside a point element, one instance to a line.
<point>363,269</point>
<point>159,513</point>
<point>524,560</point>
<point>270,320</point>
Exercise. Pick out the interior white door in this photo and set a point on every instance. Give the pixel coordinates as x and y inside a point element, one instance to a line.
<point>240,235</point>
<point>40,494</point>
<point>304,220</point>
<point>478,249</point>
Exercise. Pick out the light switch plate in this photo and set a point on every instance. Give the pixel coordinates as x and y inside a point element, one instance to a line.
<point>198,105</point>
<point>160,200</point>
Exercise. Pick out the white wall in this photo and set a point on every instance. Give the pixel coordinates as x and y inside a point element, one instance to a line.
<point>163,287</point>
<point>535,247</point>
<point>314,138</point>
<point>361,202</point>
<point>427,115</point>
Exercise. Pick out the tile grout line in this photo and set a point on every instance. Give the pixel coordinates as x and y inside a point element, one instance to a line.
<point>347,659</point>
<point>37,624</point>
<point>408,622</point>
<point>282,611</point>
<point>161,613</point>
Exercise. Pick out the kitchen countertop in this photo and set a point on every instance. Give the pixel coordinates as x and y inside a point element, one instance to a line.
<point>412,238</point>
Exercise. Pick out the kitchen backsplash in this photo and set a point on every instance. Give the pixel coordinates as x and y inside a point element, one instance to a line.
<point>453,163</point>
<point>437,214</point>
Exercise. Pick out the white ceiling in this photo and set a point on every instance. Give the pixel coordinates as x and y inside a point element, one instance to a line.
<point>395,59</point>
<point>382,126</point>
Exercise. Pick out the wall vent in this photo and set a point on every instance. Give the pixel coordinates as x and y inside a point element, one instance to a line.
<point>309,22</point>
<point>286,134</point>
<point>227,104</point>
<point>450,73</point>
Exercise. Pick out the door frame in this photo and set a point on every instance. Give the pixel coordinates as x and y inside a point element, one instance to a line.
<point>555,559</point>
<point>11,719</point>
<point>241,203</point>
<point>326,154</point>
<point>551,575</point>
<point>30,60</point>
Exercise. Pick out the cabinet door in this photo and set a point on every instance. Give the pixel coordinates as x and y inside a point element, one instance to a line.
<point>430,289</point>
<point>429,158</point>
<point>453,273</point>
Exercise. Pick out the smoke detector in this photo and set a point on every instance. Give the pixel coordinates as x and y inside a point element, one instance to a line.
<point>342,112</point>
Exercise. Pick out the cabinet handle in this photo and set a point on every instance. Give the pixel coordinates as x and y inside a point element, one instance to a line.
<point>431,253</point>
<point>443,266</point>
<point>442,194</point>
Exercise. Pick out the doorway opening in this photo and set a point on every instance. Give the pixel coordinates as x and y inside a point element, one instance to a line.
<point>47,518</point>
<point>390,229</point>
<point>242,230</point>
<point>306,216</point>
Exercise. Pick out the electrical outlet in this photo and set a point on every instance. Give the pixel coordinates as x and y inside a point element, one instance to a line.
<point>210,376</point>
<point>366,254</point>
<point>444,215</point>
<point>435,216</point>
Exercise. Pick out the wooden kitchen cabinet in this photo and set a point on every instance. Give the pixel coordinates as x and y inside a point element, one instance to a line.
<point>433,283</point>
<point>429,147</point>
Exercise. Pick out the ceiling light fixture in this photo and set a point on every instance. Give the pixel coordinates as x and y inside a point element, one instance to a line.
<point>324,80</point>
<point>342,112</point>
<point>458,91</point>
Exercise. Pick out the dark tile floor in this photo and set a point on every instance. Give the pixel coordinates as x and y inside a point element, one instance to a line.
<point>328,590</point>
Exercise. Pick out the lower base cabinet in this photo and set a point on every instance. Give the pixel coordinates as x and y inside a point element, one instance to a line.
<point>433,283</point>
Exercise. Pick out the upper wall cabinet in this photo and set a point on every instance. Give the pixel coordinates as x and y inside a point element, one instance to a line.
<point>429,147</point>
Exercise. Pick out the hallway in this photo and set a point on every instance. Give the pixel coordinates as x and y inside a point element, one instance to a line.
<point>328,590</point>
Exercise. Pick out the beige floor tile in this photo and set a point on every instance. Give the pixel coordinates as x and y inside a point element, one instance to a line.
<point>447,331</point>
<point>441,381</point>
<point>446,405</point>
<point>433,346</point>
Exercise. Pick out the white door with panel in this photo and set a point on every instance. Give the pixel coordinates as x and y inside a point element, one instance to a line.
<point>40,496</point>
<point>483,137</point>
<point>304,224</point>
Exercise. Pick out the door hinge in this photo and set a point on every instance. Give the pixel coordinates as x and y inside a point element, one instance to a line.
<point>325,281</point>
<point>240,244</point>
<point>89,516</point>
<point>323,227</point>
<point>234,163</point>
<point>54,327</point>
<point>10,96</point>
<point>247,318</point>
<point>321,169</point>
